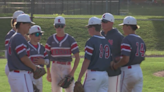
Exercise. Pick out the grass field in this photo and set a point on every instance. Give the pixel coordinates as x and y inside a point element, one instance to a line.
<point>149,66</point>
<point>151,31</point>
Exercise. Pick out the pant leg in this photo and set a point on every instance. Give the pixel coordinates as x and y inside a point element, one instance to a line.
<point>66,69</point>
<point>114,83</point>
<point>55,77</point>
<point>132,79</point>
<point>105,84</point>
<point>39,84</point>
<point>7,70</point>
<point>20,82</point>
<point>92,81</point>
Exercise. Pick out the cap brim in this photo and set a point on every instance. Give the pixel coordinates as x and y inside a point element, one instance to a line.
<point>121,24</point>
<point>138,26</point>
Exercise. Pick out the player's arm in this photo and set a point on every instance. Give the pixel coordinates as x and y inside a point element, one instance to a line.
<point>75,51</point>
<point>77,59</point>
<point>42,61</point>
<point>125,51</point>
<point>89,48</point>
<point>48,48</point>
<point>83,69</point>
<point>28,62</point>
<point>122,62</point>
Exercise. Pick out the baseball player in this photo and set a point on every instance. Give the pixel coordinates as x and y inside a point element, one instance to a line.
<point>38,54</point>
<point>133,53</point>
<point>60,46</point>
<point>9,34</point>
<point>98,57</point>
<point>17,56</point>
<point>115,38</point>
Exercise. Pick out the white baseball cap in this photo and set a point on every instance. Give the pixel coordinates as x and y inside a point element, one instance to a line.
<point>24,18</point>
<point>17,13</point>
<point>129,20</point>
<point>59,20</point>
<point>108,17</point>
<point>94,21</point>
<point>35,29</point>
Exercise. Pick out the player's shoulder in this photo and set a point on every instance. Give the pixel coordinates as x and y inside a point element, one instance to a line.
<point>10,33</point>
<point>118,32</point>
<point>41,45</point>
<point>69,36</point>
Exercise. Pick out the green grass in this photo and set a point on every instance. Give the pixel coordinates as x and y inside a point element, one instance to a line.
<point>151,31</point>
<point>149,66</point>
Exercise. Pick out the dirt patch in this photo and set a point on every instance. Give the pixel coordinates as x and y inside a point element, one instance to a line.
<point>159,74</point>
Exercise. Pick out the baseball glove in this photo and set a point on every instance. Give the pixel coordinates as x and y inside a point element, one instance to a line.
<point>65,82</point>
<point>39,72</point>
<point>78,87</point>
<point>35,88</point>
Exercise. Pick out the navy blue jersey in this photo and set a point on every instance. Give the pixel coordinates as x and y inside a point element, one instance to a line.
<point>39,52</point>
<point>134,47</point>
<point>61,50</point>
<point>7,37</point>
<point>115,38</point>
<point>98,51</point>
<point>18,48</point>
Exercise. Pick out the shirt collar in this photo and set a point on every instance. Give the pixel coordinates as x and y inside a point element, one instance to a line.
<point>101,37</point>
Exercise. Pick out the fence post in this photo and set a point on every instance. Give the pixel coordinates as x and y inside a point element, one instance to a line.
<point>32,9</point>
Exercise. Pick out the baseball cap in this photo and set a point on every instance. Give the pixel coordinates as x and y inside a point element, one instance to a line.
<point>17,13</point>
<point>108,17</point>
<point>35,29</point>
<point>94,21</point>
<point>24,18</point>
<point>129,20</point>
<point>59,20</point>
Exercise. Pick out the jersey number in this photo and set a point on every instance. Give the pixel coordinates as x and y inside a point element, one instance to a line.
<point>140,49</point>
<point>106,49</point>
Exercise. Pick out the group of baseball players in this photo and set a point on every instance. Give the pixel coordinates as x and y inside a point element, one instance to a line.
<point>111,61</point>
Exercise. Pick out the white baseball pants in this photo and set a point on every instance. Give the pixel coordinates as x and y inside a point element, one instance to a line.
<point>20,81</point>
<point>114,83</point>
<point>131,78</point>
<point>96,81</point>
<point>37,82</point>
<point>58,72</point>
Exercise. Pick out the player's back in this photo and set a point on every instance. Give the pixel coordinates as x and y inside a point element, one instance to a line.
<point>137,48</point>
<point>100,53</point>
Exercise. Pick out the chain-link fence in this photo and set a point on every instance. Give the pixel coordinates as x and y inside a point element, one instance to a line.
<point>76,7</point>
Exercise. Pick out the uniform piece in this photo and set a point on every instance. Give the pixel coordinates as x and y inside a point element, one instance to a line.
<point>60,55</point>
<point>132,78</point>
<point>98,51</point>
<point>78,87</point>
<point>38,52</point>
<point>19,78</point>
<point>64,83</point>
<point>7,39</point>
<point>115,38</point>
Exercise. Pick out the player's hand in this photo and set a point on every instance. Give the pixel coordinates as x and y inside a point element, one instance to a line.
<point>113,65</point>
<point>49,77</point>
<point>39,61</point>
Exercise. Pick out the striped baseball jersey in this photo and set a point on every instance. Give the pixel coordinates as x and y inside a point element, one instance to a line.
<point>61,50</point>
<point>38,52</point>
<point>98,51</point>
<point>7,37</point>
<point>18,48</point>
<point>115,38</point>
<point>134,47</point>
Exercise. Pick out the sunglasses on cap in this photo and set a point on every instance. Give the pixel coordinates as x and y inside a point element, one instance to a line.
<point>37,34</point>
<point>59,26</point>
<point>104,21</point>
